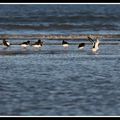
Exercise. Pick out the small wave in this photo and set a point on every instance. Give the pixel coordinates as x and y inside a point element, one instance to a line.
<point>59,26</point>
<point>60,18</point>
<point>59,36</point>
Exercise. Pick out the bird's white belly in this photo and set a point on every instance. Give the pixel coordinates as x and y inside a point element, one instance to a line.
<point>37,46</point>
<point>24,45</point>
<point>8,43</point>
<point>94,49</point>
<point>80,48</point>
<point>65,45</point>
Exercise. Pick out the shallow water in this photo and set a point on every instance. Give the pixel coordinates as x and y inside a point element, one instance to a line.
<point>56,81</point>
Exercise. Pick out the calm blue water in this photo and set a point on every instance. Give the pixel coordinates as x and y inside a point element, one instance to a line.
<point>53,81</point>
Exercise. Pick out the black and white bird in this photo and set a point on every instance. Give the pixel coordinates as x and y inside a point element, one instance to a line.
<point>25,44</point>
<point>81,46</point>
<point>65,44</point>
<point>95,43</point>
<point>38,44</point>
<point>6,43</point>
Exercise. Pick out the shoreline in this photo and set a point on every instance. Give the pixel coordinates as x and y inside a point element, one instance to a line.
<point>57,36</point>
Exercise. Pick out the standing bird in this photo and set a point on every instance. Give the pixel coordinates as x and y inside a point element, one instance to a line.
<point>65,44</point>
<point>6,43</point>
<point>38,44</point>
<point>25,44</point>
<point>81,46</point>
<point>95,44</point>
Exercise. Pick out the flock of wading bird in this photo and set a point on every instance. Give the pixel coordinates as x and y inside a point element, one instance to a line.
<point>95,44</point>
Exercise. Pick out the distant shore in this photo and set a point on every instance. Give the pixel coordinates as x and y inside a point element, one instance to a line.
<point>57,36</point>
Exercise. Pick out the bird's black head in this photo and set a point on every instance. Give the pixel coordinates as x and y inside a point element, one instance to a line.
<point>93,45</point>
<point>64,42</point>
<point>28,41</point>
<point>39,40</point>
